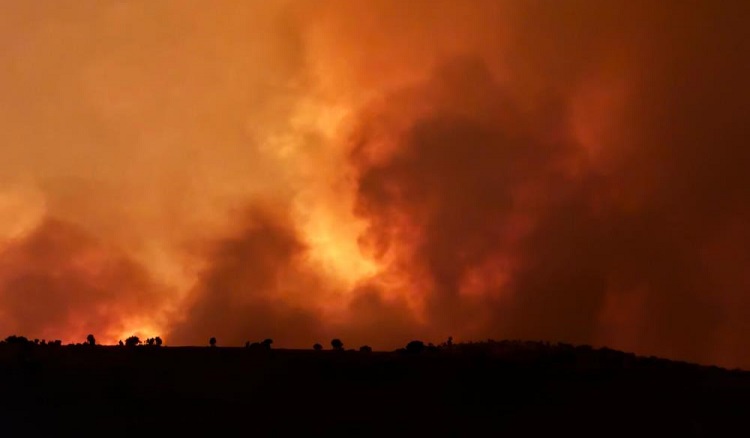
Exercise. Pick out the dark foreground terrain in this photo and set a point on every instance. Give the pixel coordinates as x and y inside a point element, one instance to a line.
<point>523,389</point>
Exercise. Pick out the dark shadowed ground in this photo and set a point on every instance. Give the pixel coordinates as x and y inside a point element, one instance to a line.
<point>527,389</point>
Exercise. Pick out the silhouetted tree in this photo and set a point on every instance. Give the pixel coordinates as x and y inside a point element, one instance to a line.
<point>121,343</point>
<point>267,343</point>
<point>212,342</point>
<point>56,343</point>
<point>415,347</point>
<point>18,340</point>
<point>365,349</point>
<point>317,347</point>
<point>337,344</point>
<point>132,341</point>
<point>91,340</point>
<point>158,341</point>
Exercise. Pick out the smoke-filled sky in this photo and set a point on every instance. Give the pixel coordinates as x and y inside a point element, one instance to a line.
<point>378,171</point>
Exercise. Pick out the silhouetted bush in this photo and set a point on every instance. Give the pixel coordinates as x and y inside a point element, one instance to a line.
<point>263,345</point>
<point>317,347</point>
<point>154,342</point>
<point>212,342</point>
<point>91,340</point>
<point>337,344</point>
<point>365,349</point>
<point>121,343</point>
<point>17,340</point>
<point>132,341</point>
<point>415,347</point>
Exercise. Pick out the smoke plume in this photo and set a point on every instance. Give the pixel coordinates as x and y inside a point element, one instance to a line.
<point>378,171</point>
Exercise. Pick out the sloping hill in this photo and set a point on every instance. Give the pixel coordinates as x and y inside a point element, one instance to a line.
<point>524,388</point>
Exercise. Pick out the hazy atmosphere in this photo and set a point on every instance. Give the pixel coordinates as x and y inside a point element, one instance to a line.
<point>378,171</point>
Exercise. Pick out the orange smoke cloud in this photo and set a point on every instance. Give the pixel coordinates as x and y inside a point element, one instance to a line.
<point>59,282</point>
<point>377,171</point>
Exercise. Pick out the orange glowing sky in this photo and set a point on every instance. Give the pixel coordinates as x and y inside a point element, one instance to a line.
<point>377,171</point>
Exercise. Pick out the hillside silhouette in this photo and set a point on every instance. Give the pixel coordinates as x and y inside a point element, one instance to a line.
<point>451,389</point>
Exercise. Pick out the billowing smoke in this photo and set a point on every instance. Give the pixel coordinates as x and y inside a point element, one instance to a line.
<point>378,171</point>
<point>587,210</point>
<point>255,284</point>
<point>59,282</point>
<point>505,232</point>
